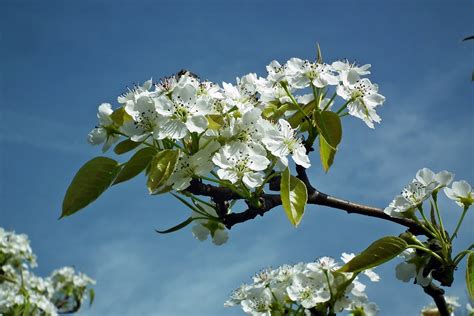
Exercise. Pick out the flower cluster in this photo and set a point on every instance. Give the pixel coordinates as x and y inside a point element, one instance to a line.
<point>239,132</point>
<point>304,287</point>
<point>426,184</point>
<point>423,261</point>
<point>15,250</point>
<point>23,293</point>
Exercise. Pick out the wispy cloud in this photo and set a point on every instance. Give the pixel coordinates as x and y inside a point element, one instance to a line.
<point>136,282</point>
<point>40,132</point>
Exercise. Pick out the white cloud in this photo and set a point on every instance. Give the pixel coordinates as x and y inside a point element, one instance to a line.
<point>40,132</point>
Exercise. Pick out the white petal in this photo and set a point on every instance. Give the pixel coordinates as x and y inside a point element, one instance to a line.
<point>147,84</point>
<point>425,176</point>
<point>258,163</point>
<point>405,271</point>
<point>164,106</point>
<point>180,182</point>
<point>203,106</point>
<point>226,174</point>
<point>220,237</point>
<point>200,232</point>
<point>300,157</point>
<point>462,188</point>
<point>185,94</point>
<point>105,109</point>
<point>173,129</point>
<point>422,280</point>
<point>196,123</point>
<point>340,65</point>
<point>286,129</point>
<point>444,177</point>
<point>374,277</point>
<point>252,179</point>
<point>220,160</point>
<point>351,77</point>
<point>97,136</point>
<point>374,99</point>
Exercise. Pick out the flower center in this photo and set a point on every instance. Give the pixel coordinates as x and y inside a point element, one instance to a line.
<point>414,192</point>
<point>181,112</point>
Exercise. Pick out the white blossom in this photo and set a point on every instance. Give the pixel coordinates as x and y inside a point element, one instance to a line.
<point>276,73</point>
<point>143,111</point>
<point>238,295</point>
<point>184,112</point>
<point>191,166</point>
<point>281,140</point>
<point>350,73</point>
<point>103,133</point>
<point>461,193</point>
<point>238,98</point>
<point>301,73</point>
<point>210,89</point>
<point>240,162</point>
<point>205,227</point>
<point>363,98</point>
<point>304,285</point>
<point>434,180</point>
<point>412,197</point>
<point>22,288</point>
<point>130,95</point>
<point>412,268</point>
<point>309,291</point>
<point>258,302</point>
<point>247,129</point>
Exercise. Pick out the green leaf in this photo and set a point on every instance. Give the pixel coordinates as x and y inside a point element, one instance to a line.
<point>214,122</point>
<point>329,127</point>
<point>319,58</point>
<point>88,184</point>
<point>26,308</point>
<point>119,116</point>
<point>294,196</point>
<point>298,118</point>
<point>162,167</point>
<point>326,153</point>
<point>91,296</point>
<point>378,252</point>
<point>182,200</point>
<point>177,227</point>
<point>470,275</point>
<point>330,134</point>
<point>125,146</point>
<point>135,165</point>
<point>269,110</point>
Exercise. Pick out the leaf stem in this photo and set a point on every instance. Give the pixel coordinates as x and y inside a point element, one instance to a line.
<point>460,255</point>
<point>344,106</point>
<point>435,255</point>
<point>285,87</point>
<point>459,222</point>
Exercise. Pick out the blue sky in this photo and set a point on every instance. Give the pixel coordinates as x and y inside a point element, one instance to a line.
<point>61,59</point>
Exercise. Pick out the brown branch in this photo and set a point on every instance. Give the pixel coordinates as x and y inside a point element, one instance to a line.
<point>268,201</point>
<point>438,296</point>
<point>318,198</point>
<point>216,193</point>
